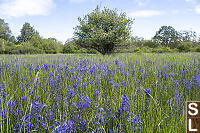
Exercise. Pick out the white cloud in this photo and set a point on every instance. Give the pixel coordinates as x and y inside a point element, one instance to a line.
<point>197,9</point>
<point>146,13</point>
<point>19,8</point>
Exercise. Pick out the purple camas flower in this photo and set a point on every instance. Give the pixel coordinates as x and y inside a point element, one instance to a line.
<point>171,104</point>
<point>124,111</point>
<point>24,125</point>
<point>112,82</point>
<point>175,74</point>
<point>64,128</point>
<point>102,114</point>
<point>76,83</point>
<point>116,62</point>
<point>196,78</point>
<point>84,103</point>
<point>83,126</point>
<point>188,85</point>
<point>50,114</point>
<point>98,80</point>
<point>147,91</point>
<point>92,69</point>
<point>165,67</point>
<point>24,98</point>
<point>30,67</point>
<point>96,93</point>
<point>176,83</point>
<point>36,68</point>
<point>70,93</point>
<point>51,74</point>
<point>116,85</point>
<point>92,81</point>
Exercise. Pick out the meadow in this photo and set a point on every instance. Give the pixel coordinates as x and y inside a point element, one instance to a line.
<point>93,93</point>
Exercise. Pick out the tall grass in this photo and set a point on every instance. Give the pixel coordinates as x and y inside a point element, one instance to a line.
<point>94,93</point>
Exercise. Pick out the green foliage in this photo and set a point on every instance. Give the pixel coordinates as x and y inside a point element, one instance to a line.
<point>163,50</point>
<point>150,43</point>
<point>197,48</point>
<point>28,48</point>
<point>147,49</point>
<point>5,32</point>
<point>126,46</point>
<point>36,41</point>
<point>50,46</point>
<point>143,49</point>
<point>8,46</point>
<point>70,47</point>
<point>167,36</point>
<point>184,46</point>
<point>26,33</point>
<point>36,45</point>
<point>102,30</point>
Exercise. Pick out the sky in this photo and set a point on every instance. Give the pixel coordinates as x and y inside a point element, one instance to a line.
<point>57,18</point>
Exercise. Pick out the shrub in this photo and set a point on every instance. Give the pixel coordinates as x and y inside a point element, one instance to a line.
<point>70,47</point>
<point>150,43</point>
<point>7,45</point>
<point>26,48</point>
<point>197,48</point>
<point>143,49</point>
<point>162,50</point>
<point>184,46</point>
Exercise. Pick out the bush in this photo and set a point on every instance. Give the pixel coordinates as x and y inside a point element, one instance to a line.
<point>143,49</point>
<point>70,47</point>
<point>150,43</point>
<point>184,46</point>
<point>9,46</point>
<point>26,48</point>
<point>162,50</point>
<point>197,48</point>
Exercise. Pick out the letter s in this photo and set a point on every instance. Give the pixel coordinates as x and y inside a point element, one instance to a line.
<point>192,108</point>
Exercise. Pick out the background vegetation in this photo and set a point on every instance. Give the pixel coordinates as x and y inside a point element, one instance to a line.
<point>101,31</point>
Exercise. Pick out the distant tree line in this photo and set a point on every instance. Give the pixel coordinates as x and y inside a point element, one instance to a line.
<point>101,31</point>
<point>167,39</point>
<point>30,42</point>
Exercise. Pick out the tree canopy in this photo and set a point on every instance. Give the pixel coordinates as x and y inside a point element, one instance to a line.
<point>27,32</point>
<point>5,32</point>
<point>166,36</point>
<point>102,30</point>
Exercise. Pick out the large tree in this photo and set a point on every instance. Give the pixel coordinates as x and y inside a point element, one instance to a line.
<point>27,32</point>
<point>5,32</point>
<point>102,30</point>
<point>167,36</point>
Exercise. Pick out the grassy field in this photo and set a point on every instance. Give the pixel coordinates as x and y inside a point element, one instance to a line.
<point>92,93</point>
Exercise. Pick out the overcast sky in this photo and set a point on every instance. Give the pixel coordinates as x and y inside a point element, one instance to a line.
<point>57,18</point>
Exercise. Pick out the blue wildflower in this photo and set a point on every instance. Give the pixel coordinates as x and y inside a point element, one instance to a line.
<point>83,126</point>
<point>147,91</point>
